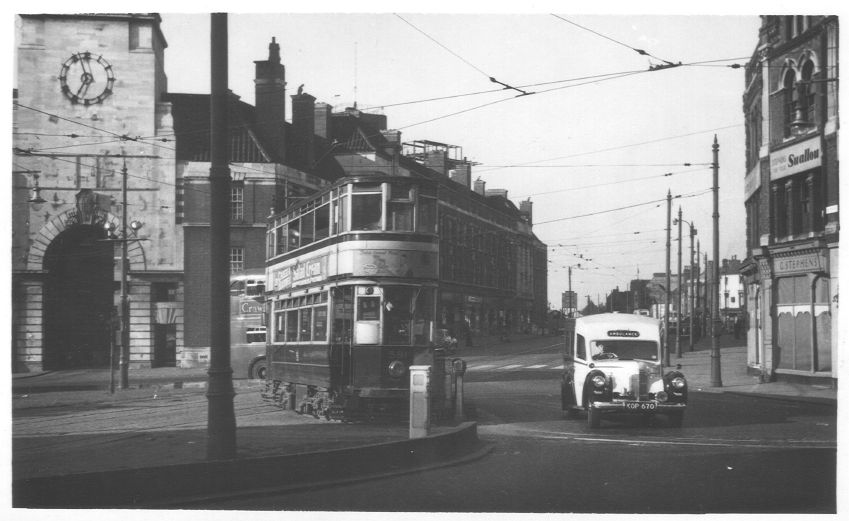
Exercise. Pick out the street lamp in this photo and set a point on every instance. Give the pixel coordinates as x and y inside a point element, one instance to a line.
<point>124,238</point>
<point>693,275</point>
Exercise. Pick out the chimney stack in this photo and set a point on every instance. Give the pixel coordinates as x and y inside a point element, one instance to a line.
<point>322,119</point>
<point>437,160</point>
<point>526,208</point>
<point>270,93</point>
<point>303,129</point>
<point>480,186</point>
<point>461,173</point>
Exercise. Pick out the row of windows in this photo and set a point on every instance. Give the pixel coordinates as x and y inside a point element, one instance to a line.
<point>301,319</point>
<point>396,206</point>
<point>798,205</point>
<point>398,315</point>
<point>799,98</point>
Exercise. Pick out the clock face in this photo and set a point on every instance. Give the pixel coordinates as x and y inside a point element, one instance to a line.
<point>86,79</point>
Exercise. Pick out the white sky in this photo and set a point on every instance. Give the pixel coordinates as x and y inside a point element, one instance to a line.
<point>655,121</point>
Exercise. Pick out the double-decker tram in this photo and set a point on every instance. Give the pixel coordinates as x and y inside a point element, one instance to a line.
<point>247,324</point>
<point>351,281</point>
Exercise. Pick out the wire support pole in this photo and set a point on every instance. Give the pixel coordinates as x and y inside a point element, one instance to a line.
<point>715,362</point>
<point>668,278</point>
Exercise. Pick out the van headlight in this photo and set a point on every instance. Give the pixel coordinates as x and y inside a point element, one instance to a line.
<point>397,368</point>
<point>599,380</point>
<point>678,383</point>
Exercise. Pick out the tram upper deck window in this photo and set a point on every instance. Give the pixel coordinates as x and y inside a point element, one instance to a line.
<point>322,222</point>
<point>366,206</point>
<point>307,228</point>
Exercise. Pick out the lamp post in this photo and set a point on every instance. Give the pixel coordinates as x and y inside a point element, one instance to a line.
<point>693,273</point>
<point>715,362</point>
<point>124,239</point>
<point>668,278</point>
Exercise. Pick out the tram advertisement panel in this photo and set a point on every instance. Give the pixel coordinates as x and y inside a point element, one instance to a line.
<point>306,272</point>
<point>358,263</point>
<point>394,263</point>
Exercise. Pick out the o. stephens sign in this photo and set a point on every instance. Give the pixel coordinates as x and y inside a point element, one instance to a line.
<point>794,159</point>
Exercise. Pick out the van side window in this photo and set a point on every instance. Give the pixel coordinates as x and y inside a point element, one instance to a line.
<point>581,350</point>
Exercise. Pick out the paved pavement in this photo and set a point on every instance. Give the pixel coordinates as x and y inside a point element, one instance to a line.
<point>73,439</point>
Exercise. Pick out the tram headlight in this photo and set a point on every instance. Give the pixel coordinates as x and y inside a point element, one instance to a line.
<point>397,368</point>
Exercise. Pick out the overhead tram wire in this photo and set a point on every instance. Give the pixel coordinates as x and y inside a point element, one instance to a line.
<point>467,62</point>
<point>142,140</point>
<point>681,196</point>
<point>552,82</point>
<point>638,51</point>
<point>621,147</point>
<point>585,187</point>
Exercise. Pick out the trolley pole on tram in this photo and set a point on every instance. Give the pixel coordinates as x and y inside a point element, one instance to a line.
<point>221,418</point>
<point>715,365</point>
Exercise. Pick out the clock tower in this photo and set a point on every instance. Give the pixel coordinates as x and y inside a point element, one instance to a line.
<point>93,149</point>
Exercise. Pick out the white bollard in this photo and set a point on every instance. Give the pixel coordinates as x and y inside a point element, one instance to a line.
<point>419,401</point>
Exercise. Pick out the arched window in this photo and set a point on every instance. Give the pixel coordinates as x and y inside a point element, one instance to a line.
<point>790,95</point>
<point>807,93</point>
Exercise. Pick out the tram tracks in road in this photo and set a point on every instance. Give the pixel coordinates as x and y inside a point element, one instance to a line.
<point>655,441</point>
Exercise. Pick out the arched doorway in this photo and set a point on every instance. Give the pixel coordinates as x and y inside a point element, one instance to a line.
<point>78,299</point>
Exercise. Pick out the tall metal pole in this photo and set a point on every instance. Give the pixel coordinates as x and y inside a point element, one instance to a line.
<point>668,277</point>
<point>708,308</point>
<point>692,285</point>
<point>699,284</point>
<point>221,418</point>
<point>124,358</point>
<point>571,314</point>
<point>680,286</point>
<point>715,364</point>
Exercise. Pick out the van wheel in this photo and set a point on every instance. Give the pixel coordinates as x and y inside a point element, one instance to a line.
<point>259,370</point>
<point>593,417</point>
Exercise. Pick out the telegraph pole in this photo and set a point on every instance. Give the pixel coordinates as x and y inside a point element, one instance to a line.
<point>715,364</point>
<point>668,276</point>
<point>692,286</point>
<point>678,315</point>
<point>124,357</point>
<point>221,418</point>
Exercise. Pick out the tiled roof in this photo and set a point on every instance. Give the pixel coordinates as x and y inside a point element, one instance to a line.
<point>191,113</point>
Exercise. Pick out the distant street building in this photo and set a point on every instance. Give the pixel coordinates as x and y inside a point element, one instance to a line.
<point>792,195</point>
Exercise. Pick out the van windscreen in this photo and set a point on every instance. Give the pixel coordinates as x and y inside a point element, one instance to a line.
<point>623,349</point>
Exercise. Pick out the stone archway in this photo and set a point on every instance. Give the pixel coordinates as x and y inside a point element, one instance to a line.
<point>80,282</point>
<point>78,299</point>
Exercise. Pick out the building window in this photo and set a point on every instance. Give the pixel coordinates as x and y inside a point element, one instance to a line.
<point>164,291</point>
<point>789,92</point>
<point>798,209</point>
<point>753,219</point>
<point>237,259</point>
<point>237,202</point>
<point>807,94</point>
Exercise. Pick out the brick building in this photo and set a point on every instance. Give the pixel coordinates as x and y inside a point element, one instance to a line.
<point>792,195</point>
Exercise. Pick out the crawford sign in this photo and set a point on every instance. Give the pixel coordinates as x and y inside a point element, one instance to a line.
<point>794,159</point>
